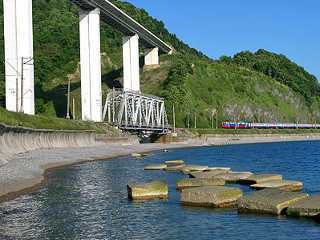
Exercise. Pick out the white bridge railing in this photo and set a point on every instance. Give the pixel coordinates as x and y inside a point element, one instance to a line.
<point>134,111</point>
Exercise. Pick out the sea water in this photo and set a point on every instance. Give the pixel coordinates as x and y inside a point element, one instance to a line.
<point>89,201</point>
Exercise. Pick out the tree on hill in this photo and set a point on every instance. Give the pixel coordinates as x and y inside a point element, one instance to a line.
<point>280,68</point>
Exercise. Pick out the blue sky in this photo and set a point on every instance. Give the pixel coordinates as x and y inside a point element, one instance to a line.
<point>216,27</point>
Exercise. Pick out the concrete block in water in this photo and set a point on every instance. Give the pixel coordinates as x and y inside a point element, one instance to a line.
<point>260,178</point>
<point>286,185</point>
<point>227,169</point>
<point>207,174</point>
<point>212,196</point>
<point>309,207</point>
<point>176,168</point>
<point>194,168</point>
<point>173,163</point>
<point>234,177</point>
<point>269,201</point>
<point>155,167</point>
<point>148,191</point>
<point>199,182</point>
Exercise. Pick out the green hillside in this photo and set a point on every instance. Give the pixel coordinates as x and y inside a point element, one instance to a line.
<point>258,86</point>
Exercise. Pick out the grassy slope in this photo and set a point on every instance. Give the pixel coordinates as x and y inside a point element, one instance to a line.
<point>42,122</point>
<point>237,93</point>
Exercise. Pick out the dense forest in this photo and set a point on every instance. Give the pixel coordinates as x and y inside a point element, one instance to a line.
<point>260,86</point>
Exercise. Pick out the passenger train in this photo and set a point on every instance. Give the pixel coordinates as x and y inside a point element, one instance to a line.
<point>247,125</point>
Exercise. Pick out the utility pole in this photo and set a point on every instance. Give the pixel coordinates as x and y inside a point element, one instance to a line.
<point>68,100</point>
<point>217,119</point>
<point>174,118</point>
<point>188,120</point>
<point>17,94</point>
<point>21,84</point>
<point>212,119</point>
<point>113,106</point>
<point>73,109</point>
<point>195,120</point>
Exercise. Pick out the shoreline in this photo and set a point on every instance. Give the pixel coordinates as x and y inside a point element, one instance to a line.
<point>28,172</point>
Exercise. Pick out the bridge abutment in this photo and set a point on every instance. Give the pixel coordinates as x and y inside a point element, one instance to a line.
<point>151,57</point>
<point>90,61</point>
<point>19,69</point>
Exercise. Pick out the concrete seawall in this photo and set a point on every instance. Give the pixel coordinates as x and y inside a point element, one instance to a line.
<point>15,140</point>
<point>230,139</point>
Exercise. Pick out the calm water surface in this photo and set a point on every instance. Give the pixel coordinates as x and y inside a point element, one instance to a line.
<point>89,201</point>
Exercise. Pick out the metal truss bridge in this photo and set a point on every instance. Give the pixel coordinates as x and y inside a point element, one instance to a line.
<point>132,111</point>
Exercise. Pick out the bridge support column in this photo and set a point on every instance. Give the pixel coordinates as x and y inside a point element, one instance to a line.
<point>131,71</point>
<point>151,57</point>
<point>90,61</point>
<point>19,69</point>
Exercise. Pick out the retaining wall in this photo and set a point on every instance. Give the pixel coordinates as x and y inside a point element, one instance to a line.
<point>15,140</point>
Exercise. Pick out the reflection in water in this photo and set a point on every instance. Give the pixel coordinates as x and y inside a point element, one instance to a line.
<point>89,201</point>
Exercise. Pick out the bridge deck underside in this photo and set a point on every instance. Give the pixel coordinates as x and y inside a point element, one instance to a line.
<point>119,20</point>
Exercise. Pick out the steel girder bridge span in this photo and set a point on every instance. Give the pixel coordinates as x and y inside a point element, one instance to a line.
<point>132,111</point>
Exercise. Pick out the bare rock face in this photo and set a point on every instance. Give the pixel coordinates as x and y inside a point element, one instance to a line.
<point>199,182</point>
<point>213,196</point>
<point>194,168</point>
<point>309,207</point>
<point>269,201</point>
<point>207,174</point>
<point>286,185</point>
<point>155,167</point>
<point>234,177</point>
<point>260,178</point>
<point>173,163</point>
<point>148,191</point>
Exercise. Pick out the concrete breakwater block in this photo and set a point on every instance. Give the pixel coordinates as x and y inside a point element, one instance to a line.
<point>194,168</point>
<point>177,168</point>
<point>173,163</point>
<point>206,174</point>
<point>211,196</point>
<point>309,207</point>
<point>259,178</point>
<point>138,155</point>
<point>155,167</point>
<point>269,201</point>
<point>285,185</point>
<point>148,191</point>
<point>227,169</point>
<point>199,182</point>
<point>234,177</point>
<point>3,162</point>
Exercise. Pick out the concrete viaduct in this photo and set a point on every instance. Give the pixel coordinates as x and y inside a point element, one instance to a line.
<point>19,67</point>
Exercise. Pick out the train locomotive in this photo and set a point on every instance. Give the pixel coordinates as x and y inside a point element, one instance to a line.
<point>248,125</point>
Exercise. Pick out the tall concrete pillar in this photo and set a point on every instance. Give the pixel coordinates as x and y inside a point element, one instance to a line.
<point>131,71</point>
<point>19,68</point>
<point>151,56</point>
<point>90,60</point>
